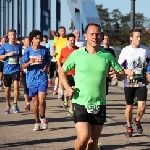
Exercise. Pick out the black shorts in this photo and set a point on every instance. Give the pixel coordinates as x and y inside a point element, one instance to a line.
<point>52,69</point>
<point>131,92</point>
<point>1,66</point>
<point>8,78</point>
<point>70,80</point>
<point>81,115</point>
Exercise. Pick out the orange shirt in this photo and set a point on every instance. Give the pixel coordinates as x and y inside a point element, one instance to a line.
<point>65,52</point>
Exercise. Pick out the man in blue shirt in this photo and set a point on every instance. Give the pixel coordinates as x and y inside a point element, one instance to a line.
<point>35,60</point>
<point>11,52</point>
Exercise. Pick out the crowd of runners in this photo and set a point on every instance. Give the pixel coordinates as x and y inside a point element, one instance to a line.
<point>82,71</point>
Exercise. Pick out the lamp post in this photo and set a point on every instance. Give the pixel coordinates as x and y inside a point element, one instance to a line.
<point>132,15</point>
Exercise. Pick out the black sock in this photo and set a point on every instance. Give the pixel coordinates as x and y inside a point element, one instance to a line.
<point>15,103</point>
<point>42,117</point>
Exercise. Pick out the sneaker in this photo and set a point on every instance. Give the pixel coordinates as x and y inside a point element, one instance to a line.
<point>65,104</point>
<point>27,107</point>
<point>16,109</point>
<point>7,109</point>
<point>44,123</point>
<point>36,127</point>
<point>70,114</point>
<point>55,92</point>
<point>138,126</point>
<point>129,132</point>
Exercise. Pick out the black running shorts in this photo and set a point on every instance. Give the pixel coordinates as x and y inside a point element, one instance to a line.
<point>81,115</point>
<point>1,66</point>
<point>8,78</point>
<point>131,92</point>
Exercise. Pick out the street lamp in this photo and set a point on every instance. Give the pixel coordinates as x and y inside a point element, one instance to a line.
<point>132,15</point>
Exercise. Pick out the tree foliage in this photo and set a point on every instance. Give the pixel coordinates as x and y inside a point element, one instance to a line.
<point>117,26</point>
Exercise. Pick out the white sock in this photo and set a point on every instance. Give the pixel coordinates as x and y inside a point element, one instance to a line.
<point>62,92</point>
<point>28,103</point>
<point>55,87</point>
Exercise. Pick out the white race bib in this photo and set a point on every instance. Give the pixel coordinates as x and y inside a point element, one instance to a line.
<point>13,60</point>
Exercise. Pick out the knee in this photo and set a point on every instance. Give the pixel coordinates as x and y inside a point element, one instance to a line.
<point>42,102</point>
<point>129,108</point>
<point>83,139</point>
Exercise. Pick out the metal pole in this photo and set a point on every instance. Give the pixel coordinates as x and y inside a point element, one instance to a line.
<point>4,17</point>
<point>49,18</point>
<point>132,15</point>
<point>20,18</point>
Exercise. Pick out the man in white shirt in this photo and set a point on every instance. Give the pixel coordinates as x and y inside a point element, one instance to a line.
<point>134,59</point>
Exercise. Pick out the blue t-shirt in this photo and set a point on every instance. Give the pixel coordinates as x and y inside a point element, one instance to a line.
<point>11,63</point>
<point>34,75</point>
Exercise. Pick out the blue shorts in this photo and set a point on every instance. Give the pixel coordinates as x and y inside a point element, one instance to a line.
<point>34,91</point>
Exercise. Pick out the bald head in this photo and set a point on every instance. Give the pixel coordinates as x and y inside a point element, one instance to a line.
<point>77,34</point>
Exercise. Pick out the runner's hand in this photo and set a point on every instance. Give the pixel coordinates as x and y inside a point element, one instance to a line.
<point>69,91</point>
<point>10,53</point>
<point>44,69</point>
<point>112,74</point>
<point>32,60</point>
<point>129,72</point>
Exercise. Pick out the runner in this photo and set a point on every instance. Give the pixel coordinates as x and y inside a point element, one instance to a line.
<point>35,60</point>
<point>59,43</point>
<point>133,59</point>
<point>65,52</point>
<point>91,65</point>
<point>109,49</point>
<point>3,41</point>
<point>45,40</point>
<point>79,43</point>
<point>11,52</point>
<point>26,44</point>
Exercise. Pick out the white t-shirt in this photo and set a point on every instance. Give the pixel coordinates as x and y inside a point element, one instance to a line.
<point>79,44</point>
<point>135,59</point>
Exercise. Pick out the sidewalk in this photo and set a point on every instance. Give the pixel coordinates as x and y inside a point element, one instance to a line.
<point>16,129</point>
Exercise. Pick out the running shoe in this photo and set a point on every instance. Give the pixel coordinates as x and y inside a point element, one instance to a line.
<point>71,114</point>
<point>44,123</point>
<point>36,127</point>
<point>55,92</point>
<point>129,132</point>
<point>15,108</point>
<point>27,107</point>
<point>65,104</point>
<point>59,94</point>
<point>138,126</point>
<point>7,109</point>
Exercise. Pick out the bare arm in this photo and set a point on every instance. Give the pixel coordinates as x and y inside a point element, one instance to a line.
<point>63,78</point>
<point>2,57</point>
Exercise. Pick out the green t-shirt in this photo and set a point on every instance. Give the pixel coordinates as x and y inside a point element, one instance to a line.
<point>90,75</point>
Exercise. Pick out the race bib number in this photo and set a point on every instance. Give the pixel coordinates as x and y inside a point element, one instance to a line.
<point>13,60</point>
<point>38,60</point>
<point>138,73</point>
<point>93,109</point>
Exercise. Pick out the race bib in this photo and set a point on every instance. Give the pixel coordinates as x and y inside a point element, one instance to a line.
<point>13,60</point>
<point>93,109</point>
<point>138,73</point>
<point>38,60</point>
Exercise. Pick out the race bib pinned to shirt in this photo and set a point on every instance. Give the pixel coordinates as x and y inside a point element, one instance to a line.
<point>13,61</point>
<point>38,60</point>
<point>93,109</point>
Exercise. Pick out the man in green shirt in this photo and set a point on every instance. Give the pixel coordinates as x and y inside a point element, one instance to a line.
<point>92,65</point>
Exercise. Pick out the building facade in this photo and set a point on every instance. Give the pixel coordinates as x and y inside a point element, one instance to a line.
<point>26,15</point>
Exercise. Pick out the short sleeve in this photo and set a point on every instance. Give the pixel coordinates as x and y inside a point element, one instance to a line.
<point>48,45</point>
<point>70,62</point>
<point>61,56</point>
<point>25,57</point>
<point>2,50</point>
<point>114,64</point>
<point>55,41</point>
<point>121,59</point>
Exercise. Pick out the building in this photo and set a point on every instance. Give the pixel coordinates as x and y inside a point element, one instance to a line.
<point>26,15</point>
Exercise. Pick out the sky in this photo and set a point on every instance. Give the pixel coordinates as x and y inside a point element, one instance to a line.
<point>123,5</point>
